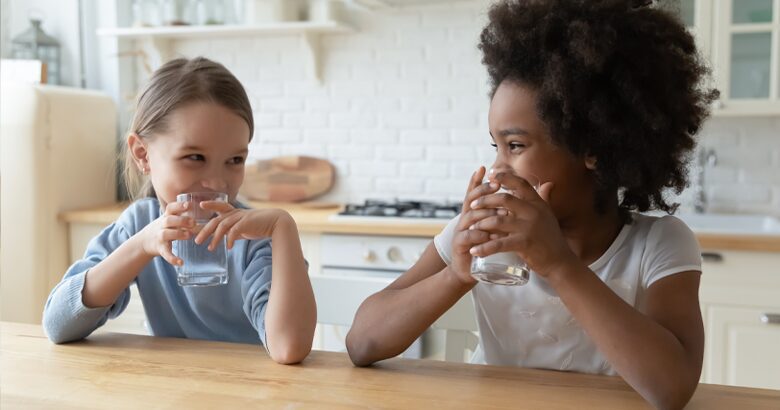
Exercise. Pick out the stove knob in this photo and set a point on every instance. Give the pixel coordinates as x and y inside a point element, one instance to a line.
<point>369,256</point>
<point>394,255</point>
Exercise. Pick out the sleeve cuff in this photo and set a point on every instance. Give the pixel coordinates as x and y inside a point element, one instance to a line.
<point>73,293</point>
<point>670,272</point>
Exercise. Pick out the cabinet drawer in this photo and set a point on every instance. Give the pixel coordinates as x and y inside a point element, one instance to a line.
<point>742,348</point>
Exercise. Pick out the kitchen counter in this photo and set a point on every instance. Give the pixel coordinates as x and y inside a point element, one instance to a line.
<point>133,371</point>
<point>315,218</point>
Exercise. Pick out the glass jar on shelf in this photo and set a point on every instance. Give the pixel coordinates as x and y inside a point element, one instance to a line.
<point>146,13</point>
<point>173,12</point>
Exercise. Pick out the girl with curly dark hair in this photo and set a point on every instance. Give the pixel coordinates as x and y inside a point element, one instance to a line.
<point>600,101</point>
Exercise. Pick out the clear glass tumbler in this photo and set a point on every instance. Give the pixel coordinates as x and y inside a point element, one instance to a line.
<point>503,268</point>
<point>201,267</point>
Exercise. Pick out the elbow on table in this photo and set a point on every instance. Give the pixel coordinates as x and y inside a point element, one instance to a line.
<point>56,333</point>
<point>289,353</point>
<point>673,397</point>
<point>360,349</point>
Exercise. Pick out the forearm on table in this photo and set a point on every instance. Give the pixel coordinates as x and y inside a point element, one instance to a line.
<point>388,322</point>
<point>292,313</point>
<point>647,355</point>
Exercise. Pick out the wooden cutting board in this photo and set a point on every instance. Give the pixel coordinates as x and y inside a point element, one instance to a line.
<point>288,179</point>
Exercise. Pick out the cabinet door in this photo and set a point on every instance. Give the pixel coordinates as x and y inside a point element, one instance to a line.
<point>310,245</point>
<point>743,348</point>
<point>697,17</point>
<point>746,65</point>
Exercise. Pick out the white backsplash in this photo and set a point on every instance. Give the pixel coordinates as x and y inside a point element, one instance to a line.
<point>402,110</point>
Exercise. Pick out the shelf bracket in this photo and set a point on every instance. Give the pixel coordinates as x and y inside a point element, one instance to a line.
<point>158,48</point>
<point>312,51</point>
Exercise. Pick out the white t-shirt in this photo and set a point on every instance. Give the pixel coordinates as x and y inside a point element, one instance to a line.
<point>529,326</point>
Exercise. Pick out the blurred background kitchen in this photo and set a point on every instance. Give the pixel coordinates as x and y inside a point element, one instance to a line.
<point>392,94</point>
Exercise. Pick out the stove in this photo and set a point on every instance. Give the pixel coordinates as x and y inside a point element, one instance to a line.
<point>406,210</point>
<point>353,267</point>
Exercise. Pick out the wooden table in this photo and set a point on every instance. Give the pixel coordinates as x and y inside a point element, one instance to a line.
<point>114,370</point>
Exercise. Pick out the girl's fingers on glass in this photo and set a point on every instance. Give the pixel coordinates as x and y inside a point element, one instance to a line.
<point>207,230</point>
<point>467,239</point>
<point>219,232</point>
<point>175,221</point>
<point>234,234</point>
<point>505,204</point>
<point>167,254</point>
<point>482,190</point>
<point>493,200</point>
<point>175,208</point>
<point>476,179</point>
<point>176,234</point>
<point>488,248</point>
<point>217,206</point>
<point>498,223</point>
<point>469,218</point>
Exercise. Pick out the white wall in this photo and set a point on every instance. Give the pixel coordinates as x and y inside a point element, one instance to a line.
<point>402,110</point>
<point>60,20</point>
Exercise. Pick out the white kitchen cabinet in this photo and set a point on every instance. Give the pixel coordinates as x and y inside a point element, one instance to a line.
<point>697,17</point>
<point>739,38</point>
<point>310,244</point>
<point>745,56</point>
<point>743,349</point>
<point>740,300</point>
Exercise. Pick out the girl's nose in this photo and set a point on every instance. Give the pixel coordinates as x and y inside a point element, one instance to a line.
<point>214,184</point>
<point>499,167</point>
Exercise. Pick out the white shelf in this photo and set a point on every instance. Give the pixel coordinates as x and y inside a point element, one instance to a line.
<point>172,32</point>
<point>395,4</point>
<point>158,39</point>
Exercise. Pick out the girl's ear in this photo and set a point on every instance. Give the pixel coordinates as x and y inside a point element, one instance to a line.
<point>590,162</point>
<point>138,150</point>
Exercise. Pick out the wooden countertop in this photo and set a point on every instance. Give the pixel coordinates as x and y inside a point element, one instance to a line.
<point>315,218</point>
<point>131,371</point>
<point>310,217</point>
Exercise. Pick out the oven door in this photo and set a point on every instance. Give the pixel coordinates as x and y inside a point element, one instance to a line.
<point>339,293</point>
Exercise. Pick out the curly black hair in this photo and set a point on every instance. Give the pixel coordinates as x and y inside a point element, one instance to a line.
<point>615,79</point>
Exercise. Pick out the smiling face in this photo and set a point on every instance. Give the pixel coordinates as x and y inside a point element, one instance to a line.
<point>203,148</point>
<point>524,148</point>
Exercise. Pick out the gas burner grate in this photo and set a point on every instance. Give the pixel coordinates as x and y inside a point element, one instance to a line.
<point>403,209</point>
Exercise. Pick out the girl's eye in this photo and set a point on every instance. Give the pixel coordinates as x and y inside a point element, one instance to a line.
<point>196,157</point>
<point>236,160</point>
<point>514,146</point>
<point>495,146</point>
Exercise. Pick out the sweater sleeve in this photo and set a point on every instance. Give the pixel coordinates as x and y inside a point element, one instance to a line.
<point>65,318</point>
<point>256,284</point>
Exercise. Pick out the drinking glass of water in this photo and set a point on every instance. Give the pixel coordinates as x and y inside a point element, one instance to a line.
<point>503,268</point>
<point>201,266</point>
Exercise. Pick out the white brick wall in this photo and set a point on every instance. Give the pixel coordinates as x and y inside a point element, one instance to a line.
<point>402,110</point>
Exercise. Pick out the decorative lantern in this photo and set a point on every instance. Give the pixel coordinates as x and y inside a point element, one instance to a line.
<point>34,44</point>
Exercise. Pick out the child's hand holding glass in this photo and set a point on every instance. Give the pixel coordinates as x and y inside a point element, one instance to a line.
<point>523,224</point>
<point>464,238</point>
<point>235,224</point>
<point>157,237</point>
